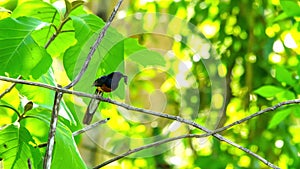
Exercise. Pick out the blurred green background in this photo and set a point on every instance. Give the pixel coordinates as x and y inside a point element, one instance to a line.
<point>254,56</point>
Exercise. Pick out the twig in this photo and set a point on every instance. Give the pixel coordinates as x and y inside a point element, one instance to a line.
<point>10,88</point>
<point>157,143</point>
<point>273,108</point>
<point>95,45</point>
<point>177,118</point>
<point>53,124</point>
<point>89,127</point>
<point>75,133</point>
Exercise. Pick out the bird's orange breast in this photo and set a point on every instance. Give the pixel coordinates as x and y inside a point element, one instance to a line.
<point>104,88</point>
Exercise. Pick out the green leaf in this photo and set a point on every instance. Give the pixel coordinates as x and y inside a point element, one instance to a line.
<point>296,111</point>
<point>68,8</point>
<point>108,57</point>
<point>66,154</point>
<point>47,13</point>
<point>279,117</point>
<point>285,95</point>
<point>45,97</point>
<point>142,55</point>
<point>290,7</point>
<point>39,10</point>
<point>268,91</point>
<point>20,54</point>
<point>283,75</point>
<point>4,13</point>
<point>76,4</point>
<point>16,148</point>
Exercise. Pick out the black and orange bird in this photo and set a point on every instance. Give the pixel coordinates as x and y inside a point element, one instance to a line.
<point>103,84</point>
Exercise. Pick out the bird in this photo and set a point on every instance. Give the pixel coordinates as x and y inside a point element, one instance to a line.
<point>106,83</point>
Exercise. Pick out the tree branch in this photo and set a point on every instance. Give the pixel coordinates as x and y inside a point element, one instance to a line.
<point>95,45</point>
<point>157,143</point>
<point>89,127</point>
<point>53,124</point>
<point>177,118</point>
<point>273,108</point>
<point>10,88</point>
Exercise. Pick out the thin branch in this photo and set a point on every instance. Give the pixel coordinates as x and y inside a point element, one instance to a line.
<point>89,127</point>
<point>157,143</point>
<point>75,133</point>
<point>53,124</point>
<point>273,108</point>
<point>95,45</point>
<point>10,88</point>
<point>177,118</point>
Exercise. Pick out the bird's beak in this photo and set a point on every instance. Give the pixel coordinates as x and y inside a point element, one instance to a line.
<point>125,79</point>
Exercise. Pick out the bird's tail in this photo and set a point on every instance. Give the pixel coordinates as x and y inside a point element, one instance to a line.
<point>91,109</point>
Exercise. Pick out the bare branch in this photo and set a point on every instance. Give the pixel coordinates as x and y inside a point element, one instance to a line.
<point>157,143</point>
<point>89,127</point>
<point>10,88</point>
<point>177,118</point>
<point>273,108</point>
<point>95,45</point>
<point>53,124</point>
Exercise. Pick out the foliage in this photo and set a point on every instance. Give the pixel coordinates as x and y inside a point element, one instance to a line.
<point>258,60</point>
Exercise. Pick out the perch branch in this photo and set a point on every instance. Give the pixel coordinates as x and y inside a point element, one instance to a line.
<point>273,108</point>
<point>95,45</point>
<point>53,124</point>
<point>157,143</point>
<point>177,118</point>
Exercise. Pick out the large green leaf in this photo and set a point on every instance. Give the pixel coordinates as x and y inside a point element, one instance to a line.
<point>268,91</point>
<point>283,75</point>
<point>280,116</point>
<point>108,57</point>
<point>19,53</point>
<point>290,7</point>
<point>141,55</point>
<point>66,154</point>
<point>16,148</point>
<point>47,13</point>
<point>45,97</point>
<point>37,9</point>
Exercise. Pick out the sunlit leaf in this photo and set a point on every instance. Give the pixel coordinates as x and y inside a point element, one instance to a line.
<point>290,7</point>
<point>141,55</point>
<point>45,97</point>
<point>279,117</point>
<point>47,13</point>
<point>4,13</point>
<point>16,148</point>
<point>66,154</point>
<point>283,75</point>
<point>37,9</point>
<point>20,54</point>
<point>108,57</point>
<point>268,91</point>
<point>285,95</point>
